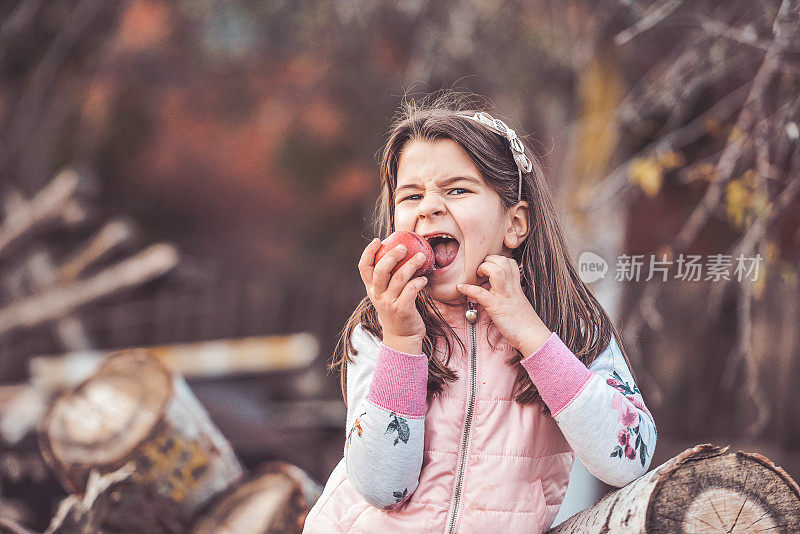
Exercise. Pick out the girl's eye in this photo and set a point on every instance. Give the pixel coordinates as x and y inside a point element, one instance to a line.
<point>412,197</point>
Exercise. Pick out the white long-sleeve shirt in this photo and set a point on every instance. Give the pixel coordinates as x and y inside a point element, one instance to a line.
<point>600,411</point>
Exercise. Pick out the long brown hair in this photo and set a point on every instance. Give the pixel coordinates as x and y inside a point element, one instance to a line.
<point>549,277</point>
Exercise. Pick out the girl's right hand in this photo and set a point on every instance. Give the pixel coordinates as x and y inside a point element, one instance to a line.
<point>394,296</point>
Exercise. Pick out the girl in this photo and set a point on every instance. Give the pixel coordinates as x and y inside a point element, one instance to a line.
<point>468,392</point>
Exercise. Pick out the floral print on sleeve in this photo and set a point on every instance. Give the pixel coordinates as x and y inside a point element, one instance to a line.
<point>630,421</point>
<point>356,427</point>
<point>631,393</point>
<point>383,448</point>
<point>621,385</point>
<point>399,425</point>
<point>383,455</point>
<point>607,417</point>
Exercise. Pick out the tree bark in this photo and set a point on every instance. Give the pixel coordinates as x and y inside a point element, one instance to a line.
<point>133,412</point>
<point>702,490</point>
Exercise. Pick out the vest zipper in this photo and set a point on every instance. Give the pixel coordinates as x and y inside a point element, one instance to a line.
<point>472,316</point>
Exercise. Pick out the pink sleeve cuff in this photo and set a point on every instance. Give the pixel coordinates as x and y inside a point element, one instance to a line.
<point>557,373</point>
<point>399,382</point>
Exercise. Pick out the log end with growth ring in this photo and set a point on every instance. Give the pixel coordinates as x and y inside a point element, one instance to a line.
<point>708,491</point>
<point>106,417</point>
<point>703,490</point>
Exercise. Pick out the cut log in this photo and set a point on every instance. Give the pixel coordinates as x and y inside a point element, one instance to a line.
<point>702,490</point>
<point>133,410</point>
<point>275,501</point>
<point>228,357</point>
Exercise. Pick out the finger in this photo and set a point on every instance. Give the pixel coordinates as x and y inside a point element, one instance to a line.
<point>404,274</point>
<point>508,265</point>
<point>497,277</point>
<point>514,270</point>
<point>367,260</point>
<point>383,269</point>
<point>476,294</point>
<point>409,293</point>
<point>496,258</point>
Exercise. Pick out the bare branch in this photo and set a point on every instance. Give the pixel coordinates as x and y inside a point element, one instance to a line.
<point>746,35</point>
<point>787,33</point>
<point>651,18</point>
<point>617,180</point>
<point>43,208</point>
<point>751,110</point>
<point>755,232</point>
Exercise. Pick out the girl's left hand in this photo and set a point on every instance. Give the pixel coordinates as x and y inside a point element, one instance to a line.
<point>507,305</point>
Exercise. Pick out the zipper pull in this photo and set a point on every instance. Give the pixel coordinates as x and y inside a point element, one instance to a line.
<point>471,313</point>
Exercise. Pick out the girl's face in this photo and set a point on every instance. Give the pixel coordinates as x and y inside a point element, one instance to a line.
<point>439,190</point>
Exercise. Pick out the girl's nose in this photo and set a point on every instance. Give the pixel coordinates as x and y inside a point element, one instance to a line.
<point>429,206</point>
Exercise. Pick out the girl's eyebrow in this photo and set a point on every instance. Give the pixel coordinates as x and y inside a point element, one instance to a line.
<point>443,183</point>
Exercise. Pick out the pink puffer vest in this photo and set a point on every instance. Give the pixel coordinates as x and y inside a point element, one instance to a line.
<point>489,464</point>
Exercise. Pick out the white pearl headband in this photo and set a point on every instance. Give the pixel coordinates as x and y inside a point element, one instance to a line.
<point>524,163</point>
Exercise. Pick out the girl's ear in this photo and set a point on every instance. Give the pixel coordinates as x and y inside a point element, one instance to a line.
<point>518,226</point>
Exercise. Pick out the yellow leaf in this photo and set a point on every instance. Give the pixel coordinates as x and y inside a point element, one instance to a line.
<point>749,177</point>
<point>735,135</point>
<point>744,201</point>
<point>737,200</point>
<point>646,173</point>
<point>670,160</point>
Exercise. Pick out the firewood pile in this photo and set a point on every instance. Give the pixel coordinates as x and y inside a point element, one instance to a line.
<point>118,437</point>
<point>39,289</point>
<point>42,287</point>
<point>139,453</point>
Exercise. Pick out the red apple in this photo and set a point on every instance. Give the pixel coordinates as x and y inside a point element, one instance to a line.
<point>414,243</point>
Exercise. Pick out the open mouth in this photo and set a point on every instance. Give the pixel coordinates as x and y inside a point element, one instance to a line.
<point>445,248</point>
